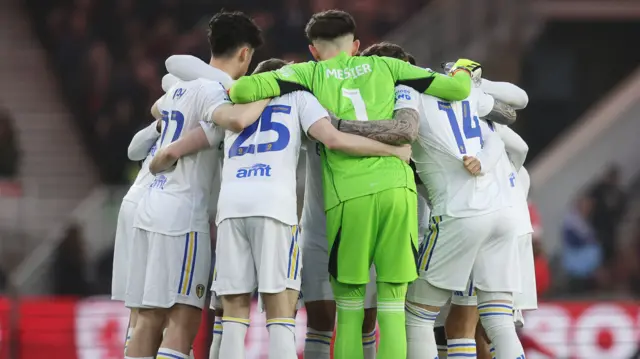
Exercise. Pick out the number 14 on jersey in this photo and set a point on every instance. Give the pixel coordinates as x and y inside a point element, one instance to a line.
<point>470,124</point>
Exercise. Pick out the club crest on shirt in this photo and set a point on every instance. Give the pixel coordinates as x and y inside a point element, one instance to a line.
<point>200,290</point>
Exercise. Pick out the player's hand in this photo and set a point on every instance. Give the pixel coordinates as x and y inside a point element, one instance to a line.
<point>473,68</point>
<point>403,152</point>
<point>472,165</point>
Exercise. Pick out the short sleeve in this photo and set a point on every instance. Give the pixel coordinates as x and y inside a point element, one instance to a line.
<point>213,95</point>
<point>406,97</point>
<point>214,133</point>
<point>309,110</point>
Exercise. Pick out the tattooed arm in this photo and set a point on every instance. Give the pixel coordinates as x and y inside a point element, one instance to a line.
<point>402,129</point>
<point>501,113</point>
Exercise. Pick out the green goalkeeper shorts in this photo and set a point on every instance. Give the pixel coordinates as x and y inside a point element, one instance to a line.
<point>380,228</point>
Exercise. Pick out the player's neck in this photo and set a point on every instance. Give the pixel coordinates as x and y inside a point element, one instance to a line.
<point>223,65</point>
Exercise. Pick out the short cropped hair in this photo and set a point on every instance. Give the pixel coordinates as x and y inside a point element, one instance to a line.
<point>386,49</point>
<point>411,59</point>
<point>330,25</point>
<point>228,31</point>
<point>270,65</point>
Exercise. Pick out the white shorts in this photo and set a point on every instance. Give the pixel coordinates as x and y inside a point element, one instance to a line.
<point>527,299</point>
<point>167,270</point>
<point>481,247</point>
<point>316,285</point>
<point>121,250</point>
<point>256,252</point>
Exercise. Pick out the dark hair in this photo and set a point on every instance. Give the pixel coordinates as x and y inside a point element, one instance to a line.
<point>411,59</point>
<point>270,65</point>
<point>229,31</point>
<point>329,25</point>
<point>386,49</point>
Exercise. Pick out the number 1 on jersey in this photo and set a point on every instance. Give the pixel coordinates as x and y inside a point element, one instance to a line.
<point>358,103</point>
<point>470,124</point>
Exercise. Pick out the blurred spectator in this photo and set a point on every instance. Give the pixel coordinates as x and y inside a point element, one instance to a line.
<point>110,54</point>
<point>541,266</point>
<point>582,253</point>
<point>609,207</point>
<point>69,267</point>
<point>104,272</point>
<point>3,281</point>
<point>9,150</point>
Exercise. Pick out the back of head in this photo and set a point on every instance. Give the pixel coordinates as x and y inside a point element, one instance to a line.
<point>330,25</point>
<point>386,49</point>
<point>229,31</point>
<point>270,65</point>
<point>330,33</point>
<point>411,59</point>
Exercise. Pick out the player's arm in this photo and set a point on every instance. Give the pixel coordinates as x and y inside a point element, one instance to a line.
<point>194,141</point>
<point>189,68</point>
<point>168,81</point>
<point>238,117</point>
<point>323,131</point>
<point>143,140</point>
<point>294,77</point>
<point>403,128</point>
<point>315,122</point>
<point>452,88</point>
<point>491,152</point>
<point>515,146</point>
<point>506,92</point>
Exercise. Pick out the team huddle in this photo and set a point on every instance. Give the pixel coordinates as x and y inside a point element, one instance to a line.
<point>414,217</point>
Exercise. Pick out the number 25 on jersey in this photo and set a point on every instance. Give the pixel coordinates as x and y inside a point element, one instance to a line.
<point>470,124</point>
<point>266,124</point>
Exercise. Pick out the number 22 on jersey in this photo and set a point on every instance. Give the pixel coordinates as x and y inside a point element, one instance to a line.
<point>171,117</point>
<point>266,124</point>
<point>470,124</point>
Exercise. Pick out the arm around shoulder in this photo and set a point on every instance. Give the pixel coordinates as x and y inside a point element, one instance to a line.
<point>323,131</point>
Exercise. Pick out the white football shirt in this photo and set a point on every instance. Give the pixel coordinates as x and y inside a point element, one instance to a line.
<point>449,131</point>
<point>514,185</point>
<point>313,221</point>
<point>177,200</point>
<point>143,179</point>
<point>259,170</point>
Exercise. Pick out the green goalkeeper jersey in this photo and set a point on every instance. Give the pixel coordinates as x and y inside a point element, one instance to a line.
<point>355,88</point>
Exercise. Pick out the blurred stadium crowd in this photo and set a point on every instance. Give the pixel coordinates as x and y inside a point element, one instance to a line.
<point>109,56</point>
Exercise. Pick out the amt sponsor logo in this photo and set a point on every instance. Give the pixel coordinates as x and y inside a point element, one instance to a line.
<point>159,182</point>
<point>257,170</point>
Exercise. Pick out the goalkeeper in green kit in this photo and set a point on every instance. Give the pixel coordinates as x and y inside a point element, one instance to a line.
<point>370,202</point>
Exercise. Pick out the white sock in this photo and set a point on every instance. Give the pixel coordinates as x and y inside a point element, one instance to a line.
<point>232,343</point>
<point>282,338</point>
<point>191,356</point>
<point>317,344</point>
<point>214,352</point>
<point>369,345</point>
<point>461,348</point>
<point>497,320</point>
<point>126,341</point>
<point>421,342</point>
<point>166,353</point>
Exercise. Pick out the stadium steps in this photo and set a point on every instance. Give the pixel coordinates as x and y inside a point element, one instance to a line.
<point>55,171</point>
<point>607,133</point>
